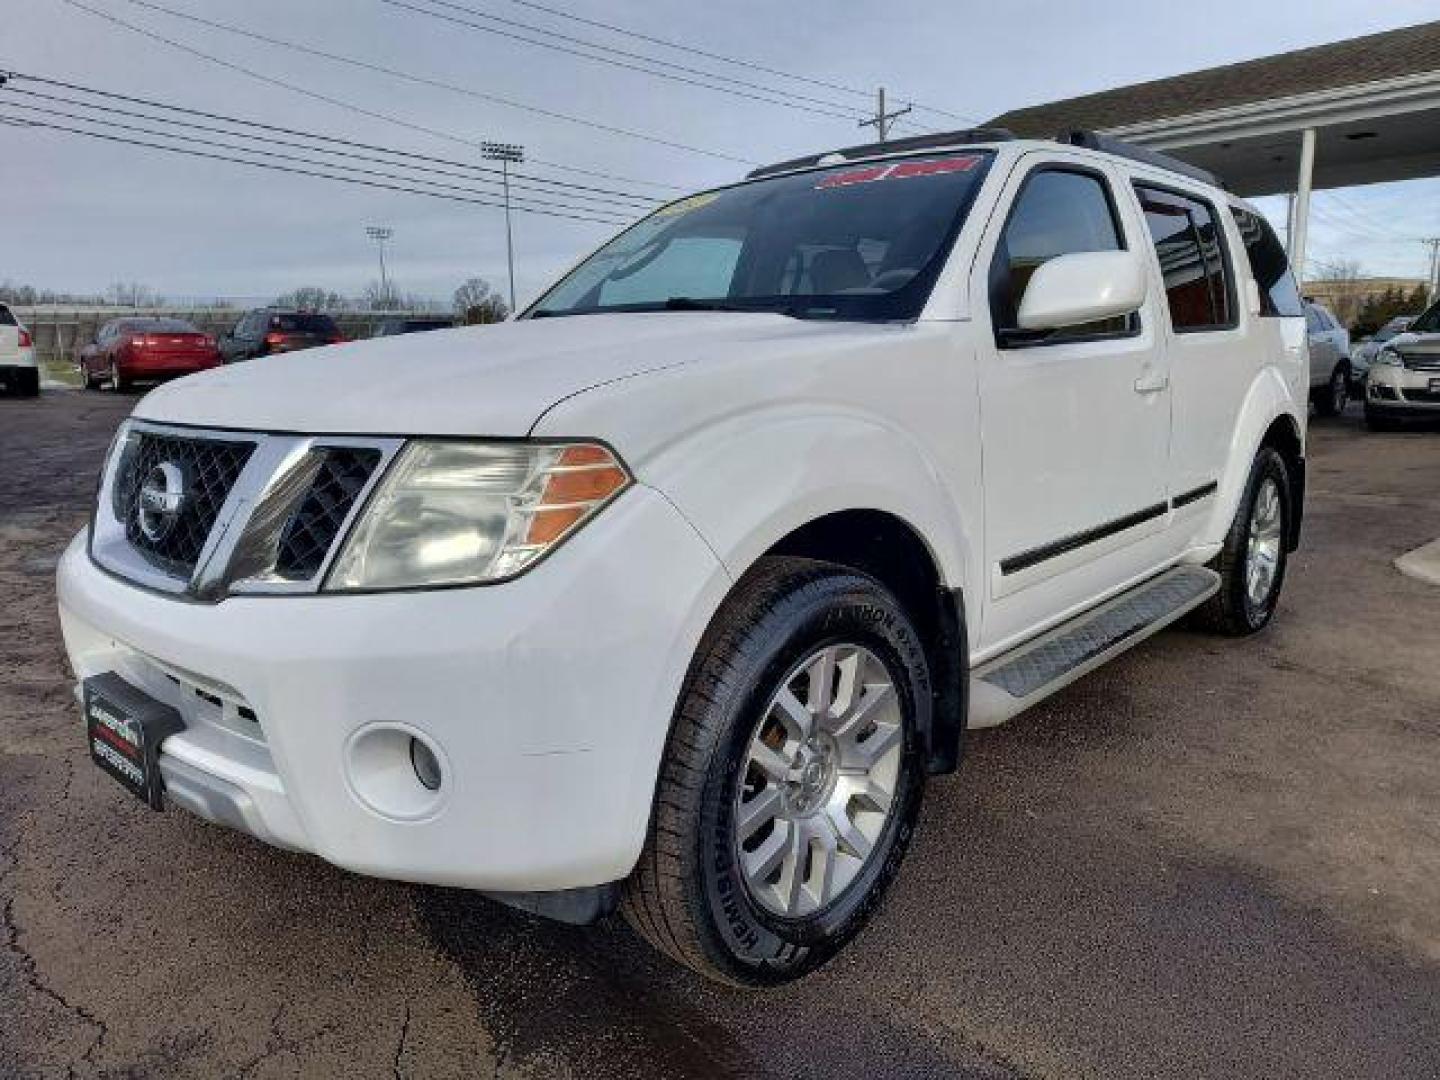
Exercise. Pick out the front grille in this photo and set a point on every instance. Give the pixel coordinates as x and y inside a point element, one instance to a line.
<point>210,468</point>
<point>314,526</point>
<point>1430,397</point>
<point>1421,361</point>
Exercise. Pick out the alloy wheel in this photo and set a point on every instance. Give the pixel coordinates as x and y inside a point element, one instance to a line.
<point>1339,392</point>
<point>819,780</point>
<point>1262,558</point>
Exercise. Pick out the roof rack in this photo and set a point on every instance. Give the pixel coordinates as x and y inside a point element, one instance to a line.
<point>939,139</point>
<point>1108,144</point>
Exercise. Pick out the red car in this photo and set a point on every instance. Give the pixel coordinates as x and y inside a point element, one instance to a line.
<point>145,349</point>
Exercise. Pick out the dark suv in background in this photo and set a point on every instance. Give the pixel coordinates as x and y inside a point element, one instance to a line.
<point>275,330</point>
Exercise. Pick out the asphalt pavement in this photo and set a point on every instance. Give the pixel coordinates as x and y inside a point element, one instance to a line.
<point>1211,858</point>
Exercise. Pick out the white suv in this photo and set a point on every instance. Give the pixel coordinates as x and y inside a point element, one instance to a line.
<point>672,592</point>
<point>19,372</point>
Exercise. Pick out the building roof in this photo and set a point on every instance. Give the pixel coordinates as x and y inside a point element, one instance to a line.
<point>1392,54</point>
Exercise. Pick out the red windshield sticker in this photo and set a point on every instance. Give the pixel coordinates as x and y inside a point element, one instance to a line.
<point>857,176</point>
<point>900,171</point>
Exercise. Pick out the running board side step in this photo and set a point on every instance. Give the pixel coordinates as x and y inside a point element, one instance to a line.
<point>1033,671</point>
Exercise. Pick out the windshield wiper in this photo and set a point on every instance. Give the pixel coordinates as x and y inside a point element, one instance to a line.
<point>689,303</point>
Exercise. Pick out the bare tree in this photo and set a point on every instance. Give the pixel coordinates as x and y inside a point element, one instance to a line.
<point>476,302</point>
<point>132,294</point>
<point>311,297</point>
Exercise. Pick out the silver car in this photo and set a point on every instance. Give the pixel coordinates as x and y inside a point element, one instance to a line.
<point>1363,354</point>
<point>1329,360</point>
<point>1404,381</point>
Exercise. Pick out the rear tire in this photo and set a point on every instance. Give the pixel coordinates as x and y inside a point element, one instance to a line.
<point>1335,395</point>
<point>1252,562</point>
<point>760,864</point>
<point>118,384</point>
<point>27,382</point>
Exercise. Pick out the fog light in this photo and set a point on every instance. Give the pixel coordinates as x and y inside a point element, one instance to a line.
<point>426,764</point>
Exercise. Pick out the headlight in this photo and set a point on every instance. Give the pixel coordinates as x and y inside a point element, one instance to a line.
<point>453,512</point>
<point>1387,357</point>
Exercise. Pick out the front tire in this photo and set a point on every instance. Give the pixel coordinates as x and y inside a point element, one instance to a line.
<point>791,780</point>
<point>1252,562</point>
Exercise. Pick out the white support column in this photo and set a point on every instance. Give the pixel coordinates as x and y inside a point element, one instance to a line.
<point>1301,223</point>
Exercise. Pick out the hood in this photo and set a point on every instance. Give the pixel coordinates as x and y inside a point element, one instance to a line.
<point>1423,344</point>
<point>480,380</point>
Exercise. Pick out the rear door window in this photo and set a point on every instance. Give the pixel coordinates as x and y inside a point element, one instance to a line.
<point>6,319</point>
<point>1190,246</point>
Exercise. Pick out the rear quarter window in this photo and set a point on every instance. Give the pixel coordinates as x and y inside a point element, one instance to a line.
<point>1279,296</point>
<point>6,319</point>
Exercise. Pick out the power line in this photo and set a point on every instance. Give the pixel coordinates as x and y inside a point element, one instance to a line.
<point>189,152</point>
<point>750,64</point>
<point>826,108</point>
<point>600,194</point>
<point>281,156</point>
<point>373,115</point>
<point>407,76</point>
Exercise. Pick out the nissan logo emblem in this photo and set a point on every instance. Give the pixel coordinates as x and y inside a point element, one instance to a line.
<point>162,498</point>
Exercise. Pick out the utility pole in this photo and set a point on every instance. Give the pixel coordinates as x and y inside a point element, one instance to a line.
<point>381,233</point>
<point>1432,279</point>
<point>881,120</point>
<point>507,154</point>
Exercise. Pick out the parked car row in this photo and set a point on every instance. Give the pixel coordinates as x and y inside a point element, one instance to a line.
<point>147,349</point>
<point>1396,372</point>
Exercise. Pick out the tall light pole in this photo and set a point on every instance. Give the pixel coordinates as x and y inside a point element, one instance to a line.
<point>507,154</point>
<point>381,233</point>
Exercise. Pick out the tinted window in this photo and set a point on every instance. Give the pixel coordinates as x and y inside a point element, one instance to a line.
<point>303,322</point>
<point>6,319</point>
<point>855,241</point>
<point>1192,260</point>
<point>1312,320</point>
<point>1429,322</point>
<point>1279,296</point>
<point>1057,212</point>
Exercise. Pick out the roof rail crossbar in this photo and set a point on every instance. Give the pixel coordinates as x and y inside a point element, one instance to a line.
<point>1108,144</point>
<point>966,137</point>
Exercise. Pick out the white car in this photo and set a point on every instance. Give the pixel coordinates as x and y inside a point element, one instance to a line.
<point>1404,378</point>
<point>1330,375</point>
<point>671,593</point>
<point>1363,354</point>
<point>19,371</point>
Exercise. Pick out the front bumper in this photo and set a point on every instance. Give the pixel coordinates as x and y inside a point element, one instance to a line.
<point>1402,393</point>
<point>547,698</point>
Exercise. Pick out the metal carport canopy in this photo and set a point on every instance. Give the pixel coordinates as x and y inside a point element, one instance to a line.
<point>1361,111</point>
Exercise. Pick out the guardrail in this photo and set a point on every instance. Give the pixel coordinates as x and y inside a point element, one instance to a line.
<point>61,331</point>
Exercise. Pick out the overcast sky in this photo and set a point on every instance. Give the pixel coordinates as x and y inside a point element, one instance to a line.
<point>77,214</point>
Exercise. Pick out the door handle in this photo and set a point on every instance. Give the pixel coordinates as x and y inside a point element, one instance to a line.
<point>1152,383</point>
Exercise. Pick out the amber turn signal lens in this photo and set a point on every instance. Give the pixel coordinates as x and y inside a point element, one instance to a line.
<point>581,479</point>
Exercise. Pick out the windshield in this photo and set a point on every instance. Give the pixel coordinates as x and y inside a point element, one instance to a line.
<point>1428,323</point>
<point>849,242</point>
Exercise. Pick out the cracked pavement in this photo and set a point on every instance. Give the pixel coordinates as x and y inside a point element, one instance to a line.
<point>1210,858</point>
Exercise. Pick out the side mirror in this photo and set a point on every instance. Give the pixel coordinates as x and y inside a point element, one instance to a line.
<point>1070,290</point>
